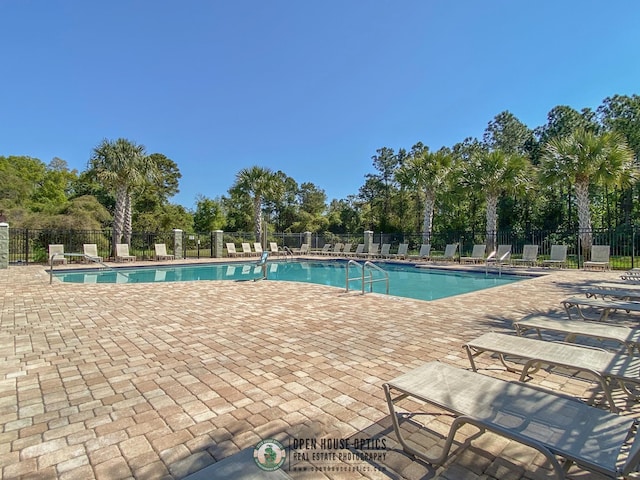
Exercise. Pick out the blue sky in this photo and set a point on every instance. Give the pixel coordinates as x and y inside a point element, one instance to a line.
<point>312,88</point>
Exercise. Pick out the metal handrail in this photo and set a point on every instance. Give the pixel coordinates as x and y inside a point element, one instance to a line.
<point>371,279</point>
<point>364,278</point>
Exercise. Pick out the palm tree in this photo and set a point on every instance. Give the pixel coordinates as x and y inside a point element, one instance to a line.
<point>496,173</point>
<point>583,158</point>
<point>427,172</point>
<point>121,166</point>
<point>258,183</point>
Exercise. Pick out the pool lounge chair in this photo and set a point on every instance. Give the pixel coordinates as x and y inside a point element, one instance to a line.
<point>303,250</point>
<point>91,252</point>
<point>599,258</point>
<point>502,256</point>
<point>122,253</point>
<point>273,249</point>
<point>424,254</point>
<point>385,251</point>
<point>477,255</point>
<point>547,422</point>
<point>56,254</point>
<point>336,250</point>
<point>558,257</point>
<point>402,252</point>
<point>374,252</point>
<point>231,250</point>
<point>605,307</point>
<point>572,329</point>
<point>449,255</point>
<point>325,249</point>
<point>359,249</point>
<point>257,247</point>
<point>161,252</point>
<point>246,249</point>
<point>604,367</point>
<point>346,250</point>
<point>529,256</point>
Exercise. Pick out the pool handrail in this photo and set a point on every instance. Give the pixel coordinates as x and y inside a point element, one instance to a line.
<point>84,255</point>
<point>364,278</point>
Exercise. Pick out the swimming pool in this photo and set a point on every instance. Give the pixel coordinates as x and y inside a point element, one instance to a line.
<point>405,280</point>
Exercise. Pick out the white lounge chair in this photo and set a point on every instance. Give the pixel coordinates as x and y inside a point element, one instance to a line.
<point>257,247</point>
<point>599,258</point>
<point>56,254</point>
<point>346,250</point>
<point>336,250</point>
<point>91,252</point>
<point>325,249</point>
<point>449,253</point>
<point>122,253</point>
<point>558,257</point>
<point>231,250</point>
<point>477,255</point>
<point>553,424</point>
<point>605,307</point>
<point>424,254</point>
<point>373,252</point>
<point>402,252</point>
<point>604,367</point>
<point>572,329</point>
<point>246,249</point>
<point>501,256</point>
<point>161,252</point>
<point>273,249</point>
<point>385,251</point>
<point>529,256</point>
<point>359,249</point>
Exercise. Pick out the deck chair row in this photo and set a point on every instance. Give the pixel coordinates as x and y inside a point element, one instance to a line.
<point>90,253</point>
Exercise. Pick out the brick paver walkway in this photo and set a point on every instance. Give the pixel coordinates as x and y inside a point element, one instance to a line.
<point>156,381</point>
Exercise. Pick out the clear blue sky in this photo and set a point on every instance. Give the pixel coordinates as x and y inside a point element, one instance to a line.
<point>312,88</point>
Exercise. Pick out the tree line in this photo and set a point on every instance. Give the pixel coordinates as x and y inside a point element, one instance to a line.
<point>579,170</point>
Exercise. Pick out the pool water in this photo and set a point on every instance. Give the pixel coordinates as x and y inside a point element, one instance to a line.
<point>405,280</point>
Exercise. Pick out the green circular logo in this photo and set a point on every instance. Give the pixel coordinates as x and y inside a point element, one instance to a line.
<point>269,454</point>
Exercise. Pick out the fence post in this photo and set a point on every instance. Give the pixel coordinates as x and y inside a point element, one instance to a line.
<point>216,243</point>
<point>368,241</point>
<point>177,244</point>
<point>4,245</point>
<point>307,239</point>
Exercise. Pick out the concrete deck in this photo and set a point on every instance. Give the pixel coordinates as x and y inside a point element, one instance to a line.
<point>160,381</point>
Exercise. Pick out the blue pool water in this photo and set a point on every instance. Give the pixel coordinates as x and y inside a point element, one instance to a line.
<point>405,280</point>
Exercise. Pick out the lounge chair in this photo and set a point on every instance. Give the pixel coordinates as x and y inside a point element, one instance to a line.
<point>558,257</point>
<point>325,249</point>
<point>246,249</point>
<point>336,250</point>
<point>231,250</point>
<point>529,256</point>
<point>620,293</point>
<point>402,252</point>
<point>553,424</point>
<point>477,255</point>
<point>372,253</point>
<point>571,329</point>
<point>303,250</point>
<point>605,367</point>
<point>161,252</point>
<point>56,254</point>
<point>346,250</point>
<point>502,256</point>
<point>605,307</point>
<point>122,253</point>
<point>632,275</point>
<point>91,252</point>
<point>359,249</point>
<point>424,254</point>
<point>385,251</point>
<point>599,258</point>
<point>449,253</point>
<point>257,247</point>
<point>273,249</point>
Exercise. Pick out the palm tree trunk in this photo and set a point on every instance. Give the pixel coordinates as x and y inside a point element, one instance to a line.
<point>119,215</point>
<point>257,218</point>
<point>427,223</point>
<point>584,216</point>
<point>127,220</point>
<point>492,220</point>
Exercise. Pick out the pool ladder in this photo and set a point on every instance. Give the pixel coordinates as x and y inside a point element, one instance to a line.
<point>366,277</point>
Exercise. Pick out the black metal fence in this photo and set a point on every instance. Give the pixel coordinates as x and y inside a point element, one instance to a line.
<point>31,245</point>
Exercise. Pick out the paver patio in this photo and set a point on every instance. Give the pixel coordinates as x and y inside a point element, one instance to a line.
<point>153,381</point>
